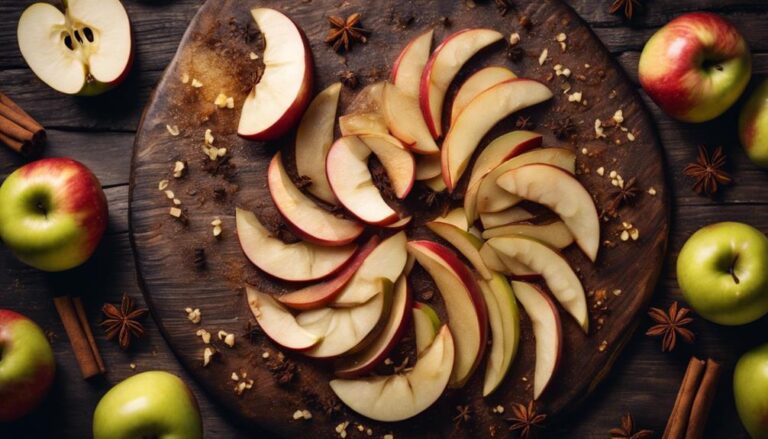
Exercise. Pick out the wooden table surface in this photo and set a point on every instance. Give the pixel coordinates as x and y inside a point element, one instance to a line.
<point>99,132</point>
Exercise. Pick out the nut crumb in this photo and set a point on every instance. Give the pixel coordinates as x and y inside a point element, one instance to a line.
<point>265,355</point>
<point>132,366</point>
<point>599,131</point>
<point>618,116</point>
<point>652,191</point>
<point>178,169</point>
<point>208,137</point>
<point>575,96</point>
<point>207,355</point>
<point>175,212</point>
<point>163,185</point>
<point>514,39</point>
<point>196,83</point>
<point>543,57</point>
<point>253,56</point>
<point>177,202</point>
<point>184,78</point>
<point>194,315</point>
<point>205,335</point>
<point>172,130</point>
<point>234,377</point>
<point>600,171</point>
<point>603,346</point>
<point>630,137</point>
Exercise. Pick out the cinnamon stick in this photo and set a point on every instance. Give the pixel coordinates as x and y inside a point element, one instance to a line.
<point>18,130</point>
<point>77,338</point>
<point>681,411</point>
<point>83,319</point>
<point>702,403</point>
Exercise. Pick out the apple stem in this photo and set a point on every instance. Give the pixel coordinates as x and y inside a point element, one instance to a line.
<point>732,271</point>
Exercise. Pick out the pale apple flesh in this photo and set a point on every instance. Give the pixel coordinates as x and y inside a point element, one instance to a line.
<point>466,243</point>
<point>399,224</point>
<point>456,217</point>
<point>405,121</point>
<point>409,65</point>
<point>436,184</point>
<point>554,234</point>
<point>479,82</point>
<point>426,323</point>
<point>502,263</point>
<point>277,322</point>
<point>396,160</point>
<point>491,220</point>
<point>362,123</point>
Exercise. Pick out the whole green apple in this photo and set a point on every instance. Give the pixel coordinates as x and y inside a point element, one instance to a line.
<point>753,125</point>
<point>750,389</point>
<point>723,272</point>
<point>27,366</point>
<point>53,213</point>
<point>151,404</point>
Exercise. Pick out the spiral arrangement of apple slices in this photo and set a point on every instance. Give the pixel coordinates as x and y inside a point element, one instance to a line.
<point>354,302</point>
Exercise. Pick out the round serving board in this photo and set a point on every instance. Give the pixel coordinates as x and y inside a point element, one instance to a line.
<point>174,274</point>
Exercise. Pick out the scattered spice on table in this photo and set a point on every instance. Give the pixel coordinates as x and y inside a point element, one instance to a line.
<point>464,414</point>
<point>349,79</point>
<point>344,32</point>
<point>503,6</point>
<point>626,6</point>
<point>564,128</point>
<point>525,418</point>
<point>708,171</point>
<point>670,325</point>
<point>624,195</point>
<point>123,322</point>
<point>627,430</point>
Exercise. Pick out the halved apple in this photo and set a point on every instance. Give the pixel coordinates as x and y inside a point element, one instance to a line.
<point>466,243</point>
<point>405,121</point>
<point>279,99</point>
<point>308,220</point>
<point>402,396</point>
<point>467,314</point>
<point>364,361</point>
<point>320,294</point>
<point>554,234</point>
<point>507,216</point>
<point>564,195</point>
<point>86,50</point>
<point>547,331</point>
<point>397,161</point>
<point>479,82</point>
<point>409,65</point>
<point>277,322</point>
<point>505,330</point>
<point>428,166</point>
<point>386,261</point>
<point>296,262</point>
<point>446,61</point>
<point>553,267</point>
<point>313,140</point>
<point>351,181</point>
<point>485,111</point>
<point>456,217</point>
<point>362,123</point>
<point>426,323</point>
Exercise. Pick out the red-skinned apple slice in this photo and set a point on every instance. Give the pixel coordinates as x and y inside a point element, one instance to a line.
<point>426,323</point>
<point>314,138</point>
<point>362,123</point>
<point>308,220</point>
<point>409,65</point>
<point>553,267</point>
<point>547,332</point>
<point>485,111</point>
<point>428,167</point>
<point>505,330</point>
<point>296,262</point>
<point>466,243</point>
<point>397,161</point>
<point>446,61</point>
<point>351,181</point>
<point>554,234</point>
<point>278,100</point>
<point>402,396</point>
<point>492,198</point>
<point>467,314</point>
<point>456,217</point>
<point>564,195</point>
<point>479,82</point>
<point>491,220</point>
<point>277,322</point>
<point>405,121</point>
<point>85,50</point>
<point>320,294</point>
<point>362,362</point>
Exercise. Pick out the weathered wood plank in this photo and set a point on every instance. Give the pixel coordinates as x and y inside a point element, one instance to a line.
<point>657,13</point>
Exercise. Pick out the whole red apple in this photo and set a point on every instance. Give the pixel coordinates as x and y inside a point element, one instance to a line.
<point>26,365</point>
<point>53,213</point>
<point>695,67</point>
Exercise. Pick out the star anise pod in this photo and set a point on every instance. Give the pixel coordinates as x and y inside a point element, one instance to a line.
<point>344,33</point>
<point>627,430</point>
<point>123,322</point>
<point>627,5</point>
<point>523,123</point>
<point>670,325</point>
<point>524,418</point>
<point>503,6</point>
<point>464,414</point>
<point>564,128</point>
<point>622,196</point>
<point>708,172</point>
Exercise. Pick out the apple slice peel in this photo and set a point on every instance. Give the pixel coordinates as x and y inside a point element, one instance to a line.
<point>277,322</point>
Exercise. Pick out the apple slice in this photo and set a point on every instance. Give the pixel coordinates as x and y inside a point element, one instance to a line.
<point>492,198</point>
<point>86,50</point>
<point>504,264</point>
<point>277,322</point>
<point>366,360</point>
<point>428,167</point>
<point>485,111</point>
<point>502,149</point>
<point>397,161</point>
<point>564,195</point>
<point>436,184</point>
<point>554,234</point>
<point>507,216</point>
<point>351,181</point>
<point>446,61</point>
<point>553,267</point>
<point>296,262</point>
<point>466,243</point>
<point>546,330</point>
<point>426,323</point>
<point>362,123</point>
<point>399,224</point>
<point>313,140</point>
<point>409,65</point>
<point>280,97</point>
<point>343,329</point>
<point>405,121</point>
<point>308,220</point>
<point>368,100</point>
<point>464,304</point>
<point>456,217</point>
<point>320,294</point>
<point>402,396</point>
<point>505,330</point>
<point>386,261</point>
<point>479,82</point>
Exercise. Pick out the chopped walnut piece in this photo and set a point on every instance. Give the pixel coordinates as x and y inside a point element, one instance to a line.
<point>208,137</point>
<point>230,102</point>
<point>184,78</point>
<point>600,171</point>
<point>253,56</point>
<point>651,191</point>
<point>196,83</point>
<point>575,96</point>
<point>560,38</point>
<point>175,212</point>
<point>163,185</point>
<point>221,100</point>
<point>207,355</point>
<point>599,131</point>
<point>618,116</point>
<point>630,137</point>
<point>205,335</point>
<point>603,346</point>
<point>178,169</point>
<point>216,223</point>
<point>194,315</point>
<point>172,130</point>
<point>514,39</point>
<point>543,57</point>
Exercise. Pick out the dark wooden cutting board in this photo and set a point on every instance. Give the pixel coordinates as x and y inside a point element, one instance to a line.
<point>215,51</point>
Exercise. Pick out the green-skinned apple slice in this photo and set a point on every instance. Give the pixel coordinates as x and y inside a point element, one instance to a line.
<point>511,215</point>
<point>553,267</point>
<point>296,262</point>
<point>554,234</point>
<point>409,65</point>
<point>505,330</point>
<point>564,195</point>
<point>547,331</point>
<point>426,323</point>
<point>402,396</point>
<point>277,322</point>
<point>405,121</point>
<point>477,83</point>
<point>396,160</point>
<point>466,243</point>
